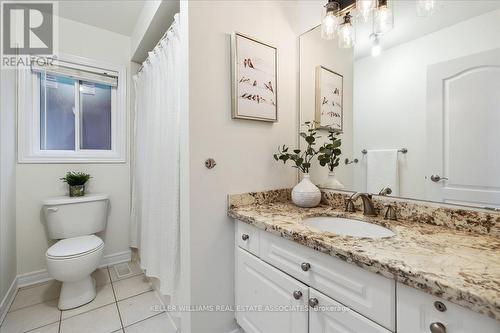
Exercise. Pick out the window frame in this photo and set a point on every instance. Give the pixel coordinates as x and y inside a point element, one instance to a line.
<point>29,150</point>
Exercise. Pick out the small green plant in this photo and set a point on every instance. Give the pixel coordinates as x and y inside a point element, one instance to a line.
<point>301,159</point>
<point>329,153</point>
<point>76,178</point>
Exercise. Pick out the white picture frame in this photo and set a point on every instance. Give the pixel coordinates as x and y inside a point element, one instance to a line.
<point>255,79</point>
<point>329,99</point>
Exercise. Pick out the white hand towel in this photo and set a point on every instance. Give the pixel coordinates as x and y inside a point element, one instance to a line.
<point>382,171</point>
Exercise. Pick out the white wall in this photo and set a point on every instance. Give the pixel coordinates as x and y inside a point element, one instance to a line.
<point>243,149</point>
<point>38,181</point>
<point>8,265</point>
<point>315,51</point>
<point>390,94</point>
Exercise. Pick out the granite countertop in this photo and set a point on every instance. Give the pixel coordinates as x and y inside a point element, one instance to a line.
<point>461,267</point>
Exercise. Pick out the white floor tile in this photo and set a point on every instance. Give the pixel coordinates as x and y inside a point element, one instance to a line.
<point>159,323</point>
<point>131,286</point>
<point>36,294</point>
<point>101,276</point>
<point>101,320</point>
<point>52,328</point>
<point>135,269</point>
<point>138,308</point>
<point>31,317</point>
<point>104,297</point>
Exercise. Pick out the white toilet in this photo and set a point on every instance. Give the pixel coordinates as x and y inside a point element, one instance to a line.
<point>74,221</point>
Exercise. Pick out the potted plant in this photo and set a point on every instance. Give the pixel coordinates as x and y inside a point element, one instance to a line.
<point>76,182</point>
<point>305,193</point>
<point>329,155</point>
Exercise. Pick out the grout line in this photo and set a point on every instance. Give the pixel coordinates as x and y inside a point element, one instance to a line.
<point>140,321</point>
<point>27,306</point>
<point>143,292</point>
<point>60,323</point>
<point>85,311</point>
<point>116,302</point>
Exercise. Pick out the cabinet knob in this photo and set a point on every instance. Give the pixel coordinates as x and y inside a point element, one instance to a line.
<point>244,237</point>
<point>313,302</point>
<point>305,266</point>
<point>297,294</point>
<point>437,328</point>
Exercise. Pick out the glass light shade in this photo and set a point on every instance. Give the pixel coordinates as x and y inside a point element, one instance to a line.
<point>376,46</point>
<point>365,8</point>
<point>330,21</point>
<point>426,7</point>
<point>347,35</point>
<point>383,19</point>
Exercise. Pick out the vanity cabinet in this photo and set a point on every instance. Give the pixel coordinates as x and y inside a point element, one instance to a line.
<point>417,311</point>
<point>262,292</point>
<point>284,287</point>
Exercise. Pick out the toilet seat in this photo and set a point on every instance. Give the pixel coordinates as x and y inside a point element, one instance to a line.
<point>74,247</point>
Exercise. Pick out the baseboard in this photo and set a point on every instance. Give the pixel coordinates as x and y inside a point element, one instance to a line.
<point>8,299</point>
<point>27,279</point>
<point>116,258</point>
<point>31,278</point>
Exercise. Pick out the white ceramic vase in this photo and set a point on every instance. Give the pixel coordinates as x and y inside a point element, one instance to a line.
<point>306,194</point>
<point>332,183</point>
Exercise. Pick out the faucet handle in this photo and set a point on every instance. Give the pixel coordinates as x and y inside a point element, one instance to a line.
<point>390,212</point>
<point>349,206</point>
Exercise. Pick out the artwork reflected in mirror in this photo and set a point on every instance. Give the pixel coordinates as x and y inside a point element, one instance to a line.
<point>329,90</point>
<point>419,103</point>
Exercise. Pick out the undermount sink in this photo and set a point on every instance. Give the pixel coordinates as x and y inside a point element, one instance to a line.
<point>347,227</point>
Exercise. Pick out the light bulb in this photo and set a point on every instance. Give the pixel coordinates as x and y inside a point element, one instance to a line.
<point>330,21</point>
<point>376,47</point>
<point>426,7</point>
<point>347,33</point>
<point>365,8</point>
<point>383,20</point>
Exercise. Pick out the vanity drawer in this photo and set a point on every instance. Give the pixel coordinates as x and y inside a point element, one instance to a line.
<point>367,293</point>
<point>247,237</point>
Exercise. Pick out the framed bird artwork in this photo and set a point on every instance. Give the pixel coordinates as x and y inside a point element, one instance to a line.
<point>329,97</point>
<point>255,82</point>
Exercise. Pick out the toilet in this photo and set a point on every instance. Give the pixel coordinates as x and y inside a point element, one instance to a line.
<point>78,252</point>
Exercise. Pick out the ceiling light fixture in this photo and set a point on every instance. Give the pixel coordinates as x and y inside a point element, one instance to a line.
<point>330,20</point>
<point>376,46</point>
<point>347,33</point>
<point>426,7</point>
<point>383,18</point>
<point>365,8</point>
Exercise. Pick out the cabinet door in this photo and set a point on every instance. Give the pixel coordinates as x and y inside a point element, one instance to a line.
<point>329,316</point>
<point>265,298</point>
<point>416,312</point>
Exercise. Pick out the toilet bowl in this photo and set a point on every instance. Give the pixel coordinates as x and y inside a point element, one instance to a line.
<point>71,261</point>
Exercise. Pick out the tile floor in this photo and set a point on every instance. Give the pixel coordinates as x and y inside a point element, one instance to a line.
<point>121,305</point>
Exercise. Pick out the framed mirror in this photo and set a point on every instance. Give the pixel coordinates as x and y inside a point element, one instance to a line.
<point>420,103</point>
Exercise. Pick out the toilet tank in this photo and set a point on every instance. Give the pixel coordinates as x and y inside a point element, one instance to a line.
<point>77,216</point>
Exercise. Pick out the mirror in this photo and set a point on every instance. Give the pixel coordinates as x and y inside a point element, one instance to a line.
<point>421,117</point>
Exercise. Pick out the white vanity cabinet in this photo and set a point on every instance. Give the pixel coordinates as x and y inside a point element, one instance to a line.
<point>274,277</point>
<point>417,311</point>
<point>263,294</point>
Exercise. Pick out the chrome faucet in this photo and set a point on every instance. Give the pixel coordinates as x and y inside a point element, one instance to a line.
<point>368,208</point>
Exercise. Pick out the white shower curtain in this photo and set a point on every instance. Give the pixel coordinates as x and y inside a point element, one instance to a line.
<point>155,174</point>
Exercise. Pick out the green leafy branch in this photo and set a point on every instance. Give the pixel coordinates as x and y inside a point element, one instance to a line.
<point>329,153</point>
<point>301,159</point>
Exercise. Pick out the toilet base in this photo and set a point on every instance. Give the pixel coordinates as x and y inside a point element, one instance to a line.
<point>75,294</point>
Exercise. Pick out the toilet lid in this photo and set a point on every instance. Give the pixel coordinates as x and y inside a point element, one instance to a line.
<point>75,246</point>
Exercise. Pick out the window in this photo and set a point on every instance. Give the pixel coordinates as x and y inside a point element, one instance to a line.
<point>72,111</point>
